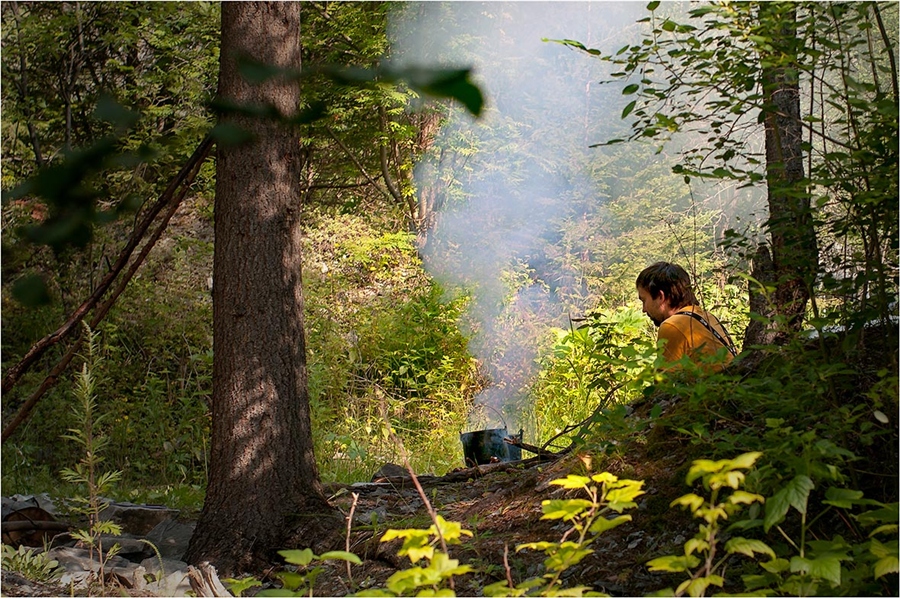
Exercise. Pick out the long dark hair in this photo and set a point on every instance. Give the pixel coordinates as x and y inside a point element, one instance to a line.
<point>671,279</point>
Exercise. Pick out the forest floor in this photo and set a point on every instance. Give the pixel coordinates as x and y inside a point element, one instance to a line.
<point>502,508</point>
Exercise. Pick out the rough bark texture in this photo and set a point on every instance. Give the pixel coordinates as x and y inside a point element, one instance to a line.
<point>263,482</point>
<point>794,254</point>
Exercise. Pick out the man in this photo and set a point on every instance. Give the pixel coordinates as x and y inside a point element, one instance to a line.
<point>668,299</point>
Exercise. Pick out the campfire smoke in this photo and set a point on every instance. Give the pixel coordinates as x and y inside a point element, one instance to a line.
<point>506,202</point>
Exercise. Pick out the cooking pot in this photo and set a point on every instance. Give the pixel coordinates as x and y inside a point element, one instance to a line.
<point>486,446</point>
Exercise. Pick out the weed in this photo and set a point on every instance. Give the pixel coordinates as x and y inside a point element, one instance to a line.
<point>31,564</point>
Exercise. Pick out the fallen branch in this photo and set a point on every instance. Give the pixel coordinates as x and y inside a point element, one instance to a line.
<point>515,441</point>
<point>173,196</point>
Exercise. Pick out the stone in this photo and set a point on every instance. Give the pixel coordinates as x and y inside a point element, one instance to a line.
<point>390,470</point>
<point>136,519</point>
<point>80,567</point>
<point>171,538</point>
<point>166,578</point>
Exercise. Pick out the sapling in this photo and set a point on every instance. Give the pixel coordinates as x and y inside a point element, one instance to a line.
<point>87,471</point>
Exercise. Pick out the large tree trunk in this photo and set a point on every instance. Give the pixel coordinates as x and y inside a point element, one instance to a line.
<point>263,480</point>
<point>794,253</point>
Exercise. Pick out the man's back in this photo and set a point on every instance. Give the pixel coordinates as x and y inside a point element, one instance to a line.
<point>687,335</point>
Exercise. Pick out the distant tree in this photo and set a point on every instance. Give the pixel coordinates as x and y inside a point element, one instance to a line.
<point>263,481</point>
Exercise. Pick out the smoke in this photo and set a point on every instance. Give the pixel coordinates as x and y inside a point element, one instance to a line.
<point>510,181</point>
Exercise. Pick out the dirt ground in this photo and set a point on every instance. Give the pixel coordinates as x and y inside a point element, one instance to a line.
<point>501,506</point>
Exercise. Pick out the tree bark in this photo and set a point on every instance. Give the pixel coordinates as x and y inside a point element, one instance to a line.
<point>264,483</point>
<point>794,252</point>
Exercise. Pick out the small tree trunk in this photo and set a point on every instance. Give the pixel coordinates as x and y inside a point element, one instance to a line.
<point>794,252</point>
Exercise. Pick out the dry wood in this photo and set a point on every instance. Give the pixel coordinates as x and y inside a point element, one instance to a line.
<point>205,581</point>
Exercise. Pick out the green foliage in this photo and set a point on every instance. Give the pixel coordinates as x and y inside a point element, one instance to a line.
<point>849,123</point>
<point>589,518</point>
<point>606,361</point>
<point>30,564</point>
<point>298,581</point>
<point>383,333</point>
<point>701,550</point>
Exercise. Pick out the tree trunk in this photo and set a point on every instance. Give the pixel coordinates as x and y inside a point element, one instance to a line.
<point>794,252</point>
<point>263,481</point>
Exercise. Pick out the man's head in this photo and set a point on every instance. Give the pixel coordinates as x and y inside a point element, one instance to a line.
<point>663,289</point>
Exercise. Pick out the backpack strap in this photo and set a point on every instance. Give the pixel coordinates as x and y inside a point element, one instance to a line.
<point>728,344</point>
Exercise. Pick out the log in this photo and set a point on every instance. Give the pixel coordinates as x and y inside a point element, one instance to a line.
<point>18,526</point>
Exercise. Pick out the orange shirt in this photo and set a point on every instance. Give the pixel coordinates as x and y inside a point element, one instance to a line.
<point>684,335</point>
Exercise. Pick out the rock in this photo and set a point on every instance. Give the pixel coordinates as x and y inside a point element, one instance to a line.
<point>81,568</point>
<point>171,538</point>
<point>166,578</point>
<point>130,548</point>
<point>390,470</point>
<point>41,501</point>
<point>136,519</point>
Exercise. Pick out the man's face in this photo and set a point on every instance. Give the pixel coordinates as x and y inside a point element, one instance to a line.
<point>656,309</point>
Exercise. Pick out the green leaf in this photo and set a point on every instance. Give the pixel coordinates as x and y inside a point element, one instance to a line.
<point>888,514</point>
<point>827,568</point>
<point>673,564</point>
<point>653,5</point>
<point>745,461</point>
<point>889,564</point>
<point>298,557</point>
<point>565,509</point>
<point>31,291</point>
<point>238,586</point>
<point>776,566</point>
<point>441,83</point>
<point>604,478</point>
<point>794,494</point>
<point>565,555</point>
<point>628,108</point>
<point>451,531</point>
<point>748,547</point>
<point>745,498</point>
<point>697,587</point>
<point>691,501</point>
<point>843,498</point>
<point>291,580</point>
<point>630,89</point>
<point>572,482</point>
<point>603,524</point>
<point>621,496</point>
<point>695,545</point>
<point>341,555</point>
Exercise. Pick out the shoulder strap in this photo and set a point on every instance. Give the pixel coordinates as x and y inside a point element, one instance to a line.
<point>728,344</point>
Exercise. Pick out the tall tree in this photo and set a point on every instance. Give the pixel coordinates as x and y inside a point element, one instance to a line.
<point>263,483</point>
